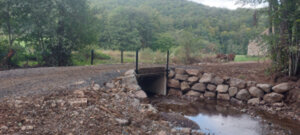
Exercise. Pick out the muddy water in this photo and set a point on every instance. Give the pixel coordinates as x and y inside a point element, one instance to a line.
<point>224,119</point>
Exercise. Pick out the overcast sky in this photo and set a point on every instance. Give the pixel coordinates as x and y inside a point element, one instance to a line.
<point>230,4</point>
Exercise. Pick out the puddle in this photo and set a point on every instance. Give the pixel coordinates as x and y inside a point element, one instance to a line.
<point>223,119</point>
<point>220,125</point>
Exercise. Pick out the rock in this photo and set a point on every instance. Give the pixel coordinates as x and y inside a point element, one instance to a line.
<point>193,79</point>
<point>148,108</point>
<point>217,80</point>
<point>206,78</point>
<point>27,127</point>
<point>234,82</point>
<point>130,79</point>
<point>273,97</point>
<point>223,97</point>
<point>134,87</point>
<point>251,83</point>
<point>254,101</point>
<point>78,102</point>
<point>171,74</point>
<point>4,128</point>
<point>162,133</point>
<point>211,87</point>
<point>256,92</point>
<point>173,83</point>
<point>130,72</point>
<point>236,101</point>
<point>199,87</point>
<point>233,91</point>
<point>140,94</point>
<point>174,92</point>
<point>210,94</point>
<point>278,104</point>
<point>243,95</point>
<point>185,86</point>
<point>222,88</point>
<point>181,77</point>
<point>265,87</point>
<point>110,85</point>
<point>79,93</point>
<point>282,88</point>
<point>122,122</point>
<point>193,93</point>
<point>96,87</point>
<point>192,72</point>
<point>186,131</point>
<point>180,71</point>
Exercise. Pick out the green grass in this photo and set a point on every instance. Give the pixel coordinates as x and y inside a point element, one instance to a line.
<point>243,58</point>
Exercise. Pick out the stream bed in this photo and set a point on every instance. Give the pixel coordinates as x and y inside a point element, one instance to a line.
<point>215,118</point>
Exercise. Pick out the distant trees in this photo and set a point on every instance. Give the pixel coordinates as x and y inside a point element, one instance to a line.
<point>129,29</point>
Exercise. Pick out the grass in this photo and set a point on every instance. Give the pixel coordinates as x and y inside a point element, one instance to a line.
<point>244,58</point>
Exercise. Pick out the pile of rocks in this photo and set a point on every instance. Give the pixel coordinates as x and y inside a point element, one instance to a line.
<point>192,82</point>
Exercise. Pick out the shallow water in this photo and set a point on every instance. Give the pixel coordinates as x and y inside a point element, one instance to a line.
<point>224,119</point>
<point>221,125</point>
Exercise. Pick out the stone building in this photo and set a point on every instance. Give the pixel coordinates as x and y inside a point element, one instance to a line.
<point>257,47</point>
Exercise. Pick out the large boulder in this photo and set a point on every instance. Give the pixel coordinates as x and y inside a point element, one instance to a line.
<point>206,78</point>
<point>171,74</point>
<point>211,87</point>
<point>265,87</point>
<point>223,97</point>
<point>129,79</point>
<point>180,71</point>
<point>273,97</point>
<point>193,93</point>
<point>243,95</point>
<point>181,77</point>
<point>282,88</point>
<point>175,92</point>
<point>251,83</point>
<point>173,83</point>
<point>193,79</point>
<point>140,94</point>
<point>217,80</point>
<point>210,94</point>
<point>254,101</point>
<point>192,72</point>
<point>130,72</point>
<point>185,86</point>
<point>256,92</point>
<point>233,91</point>
<point>199,87</point>
<point>234,82</point>
<point>222,88</point>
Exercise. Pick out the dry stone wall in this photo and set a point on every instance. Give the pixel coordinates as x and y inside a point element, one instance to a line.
<point>193,83</point>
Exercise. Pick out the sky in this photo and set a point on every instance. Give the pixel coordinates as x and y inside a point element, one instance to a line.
<point>230,4</point>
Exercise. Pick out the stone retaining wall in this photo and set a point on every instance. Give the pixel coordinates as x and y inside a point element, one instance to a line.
<point>193,83</point>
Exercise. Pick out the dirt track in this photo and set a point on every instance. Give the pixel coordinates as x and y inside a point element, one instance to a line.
<point>34,81</point>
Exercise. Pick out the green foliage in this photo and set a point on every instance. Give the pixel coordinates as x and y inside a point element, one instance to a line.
<point>228,31</point>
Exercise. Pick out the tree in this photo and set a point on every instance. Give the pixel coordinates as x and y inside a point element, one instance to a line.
<point>129,29</point>
<point>284,32</point>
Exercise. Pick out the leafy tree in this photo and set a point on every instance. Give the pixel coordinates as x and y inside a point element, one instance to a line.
<point>129,29</point>
<point>284,29</point>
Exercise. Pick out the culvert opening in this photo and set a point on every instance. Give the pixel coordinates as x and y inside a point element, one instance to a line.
<point>153,80</point>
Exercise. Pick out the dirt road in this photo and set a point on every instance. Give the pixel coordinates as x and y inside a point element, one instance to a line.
<point>26,82</point>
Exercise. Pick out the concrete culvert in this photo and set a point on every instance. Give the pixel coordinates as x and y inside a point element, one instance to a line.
<point>153,80</point>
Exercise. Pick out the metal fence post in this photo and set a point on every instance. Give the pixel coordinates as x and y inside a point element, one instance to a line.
<point>137,61</point>
<point>92,57</point>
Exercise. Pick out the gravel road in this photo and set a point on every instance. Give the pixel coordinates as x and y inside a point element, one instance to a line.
<point>27,82</point>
